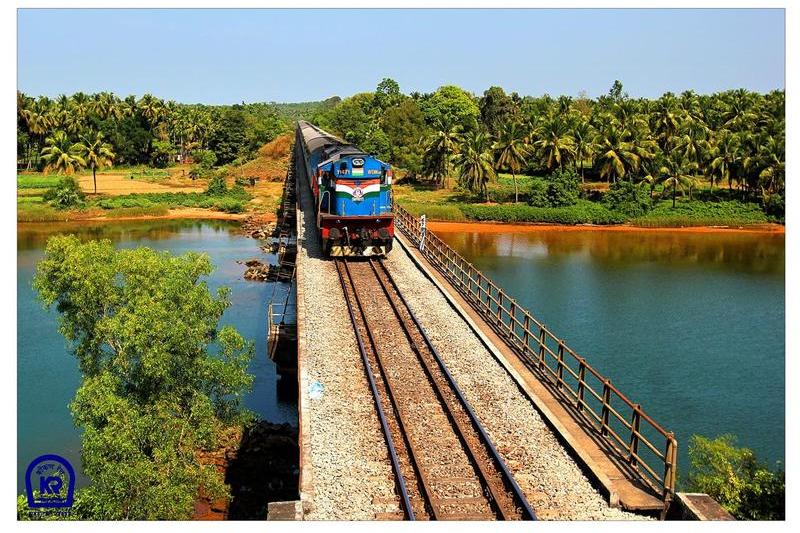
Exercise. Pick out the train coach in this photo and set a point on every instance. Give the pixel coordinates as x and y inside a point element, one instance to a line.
<point>352,194</point>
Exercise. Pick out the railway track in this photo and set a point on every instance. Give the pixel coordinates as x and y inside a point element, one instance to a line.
<point>445,465</point>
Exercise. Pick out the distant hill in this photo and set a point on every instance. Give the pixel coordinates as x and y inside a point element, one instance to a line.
<point>304,110</point>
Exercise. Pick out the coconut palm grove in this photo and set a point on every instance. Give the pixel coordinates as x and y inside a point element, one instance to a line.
<point>680,159</point>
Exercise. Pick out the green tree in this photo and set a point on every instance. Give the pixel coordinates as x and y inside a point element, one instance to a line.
<point>387,94</point>
<point>554,143</point>
<point>60,156</point>
<point>584,140</point>
<point>617,154</point>
<point>675,174</point>
<point>440,149</point>
<point>497,109</point>
<point>160,380</point>
<point>95,152</point>
<point>450,107</point>
<point>724,156</point>
<point>405,128</point>
<point>511,148</point>
<point>475,163</point>
<point>229,138</point>
<point>734,477</point>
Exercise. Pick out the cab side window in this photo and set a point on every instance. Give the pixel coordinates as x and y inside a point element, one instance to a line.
<point>342,167</point>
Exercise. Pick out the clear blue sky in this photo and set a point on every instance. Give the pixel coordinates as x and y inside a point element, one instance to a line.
<point>227,56</point>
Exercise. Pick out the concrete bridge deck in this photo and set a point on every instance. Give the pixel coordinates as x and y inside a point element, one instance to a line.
<point>345,468</point>
<point>618,481</point>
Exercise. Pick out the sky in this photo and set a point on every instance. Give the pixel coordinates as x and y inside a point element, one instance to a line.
<point>221,56</point>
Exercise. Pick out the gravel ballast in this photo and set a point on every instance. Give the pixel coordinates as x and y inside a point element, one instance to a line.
<point>551,480</point>
<point>349,465</point>
<point>345,456</point>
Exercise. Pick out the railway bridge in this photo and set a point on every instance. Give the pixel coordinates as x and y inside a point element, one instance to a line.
<point>426,392</point>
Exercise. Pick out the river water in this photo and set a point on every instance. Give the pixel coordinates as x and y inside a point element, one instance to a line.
<point>47,375</point>
<point>690,325</point>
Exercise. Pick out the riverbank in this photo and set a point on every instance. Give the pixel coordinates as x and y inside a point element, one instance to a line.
<point>522,227</point>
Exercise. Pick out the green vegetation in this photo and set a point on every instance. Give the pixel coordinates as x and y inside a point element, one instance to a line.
<point>66,194</point>
<point>583,212</point>
<point>57,134</point>
<point>37,181</point>
<point>231,201</point>
<point>718,148</point>
<point>696,213</point>
<point>734,477</point>
<point>160,379</point>
<point>673,148</point>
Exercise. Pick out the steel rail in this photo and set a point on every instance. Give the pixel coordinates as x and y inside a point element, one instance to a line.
<point>399,478</point>
<point>508,479</point>
<point>429,501</point>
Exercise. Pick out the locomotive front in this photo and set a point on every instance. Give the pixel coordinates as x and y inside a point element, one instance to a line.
<point>352,191</point>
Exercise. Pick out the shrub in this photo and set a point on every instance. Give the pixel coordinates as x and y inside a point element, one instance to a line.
<point>734,477</point>
<point>66,194</point>
<point>205,159</point>
<point>627,198</point>
<point>537,195</point>
<point>229,205</point>
<point>775,206</point>
<point>563,188</point>
<point>217,185</point>
<point>448,212</point>
<point>696,213</point>
<point>582,212</point>
<point>161,153</point>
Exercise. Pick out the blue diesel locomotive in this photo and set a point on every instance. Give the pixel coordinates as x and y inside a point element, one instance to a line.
<point>352,194</point>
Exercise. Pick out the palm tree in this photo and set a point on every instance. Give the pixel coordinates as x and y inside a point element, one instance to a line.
<point>511,149</point>
<point>666,120</point>
<point>617,155</point>
<point>677,175</point>
<point>724,156</point>
<point>772,157</point>
<point>584,136</point>
<point>475,164</point>
<point>553,142</point>
<point>95,152</point>
<point>59,155</point>
<point>442,145</point>
<point>693,145</point>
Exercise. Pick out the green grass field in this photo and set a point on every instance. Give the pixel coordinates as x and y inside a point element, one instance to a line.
<point>37,181</point>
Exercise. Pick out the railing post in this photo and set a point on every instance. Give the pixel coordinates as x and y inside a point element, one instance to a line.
<point>634,445</point>
<point>581,382</point>
<point>527,332</point>
<point>422,233</point>
<point>606,403</point>
<point>559,383</point>
<point>670,458</point>
<point>500,306</point>
<point>542,334</point>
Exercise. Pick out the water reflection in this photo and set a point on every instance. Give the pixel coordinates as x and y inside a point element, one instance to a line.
<point>45,423</point>
<point>744,252</point>
<point>689,324</point>
<point>34,235</point>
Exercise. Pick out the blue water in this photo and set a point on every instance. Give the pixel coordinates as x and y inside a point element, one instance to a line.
<point>689,325</point>
<point>47,375</point>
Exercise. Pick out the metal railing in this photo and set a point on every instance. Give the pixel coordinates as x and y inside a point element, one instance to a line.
<point>647,448</point>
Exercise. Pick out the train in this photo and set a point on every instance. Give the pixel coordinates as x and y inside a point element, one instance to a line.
<point>352,193</point>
